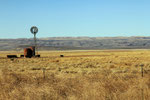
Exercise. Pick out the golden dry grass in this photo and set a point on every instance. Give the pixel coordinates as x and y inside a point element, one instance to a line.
<point>79,75</point>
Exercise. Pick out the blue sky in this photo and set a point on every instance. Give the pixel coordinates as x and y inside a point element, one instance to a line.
<point>57,18</point>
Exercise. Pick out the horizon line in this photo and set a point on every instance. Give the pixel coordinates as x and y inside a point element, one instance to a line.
<point>75,37</point>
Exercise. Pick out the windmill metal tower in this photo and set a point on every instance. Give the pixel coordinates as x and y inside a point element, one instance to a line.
<point>34,31</point>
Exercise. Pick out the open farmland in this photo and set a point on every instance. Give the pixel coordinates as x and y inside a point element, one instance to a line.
<point>79,75</point>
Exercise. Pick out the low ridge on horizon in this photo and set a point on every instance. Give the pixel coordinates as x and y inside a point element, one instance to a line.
<point>77,43</point>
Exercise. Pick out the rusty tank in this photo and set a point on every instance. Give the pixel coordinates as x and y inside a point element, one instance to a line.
<point>29,52</point>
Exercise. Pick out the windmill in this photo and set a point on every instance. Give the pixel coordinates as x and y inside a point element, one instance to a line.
<point>32,51</point>
<point>34,31</point>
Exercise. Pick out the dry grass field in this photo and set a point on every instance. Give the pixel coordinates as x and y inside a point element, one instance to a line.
<point>79,75</point>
